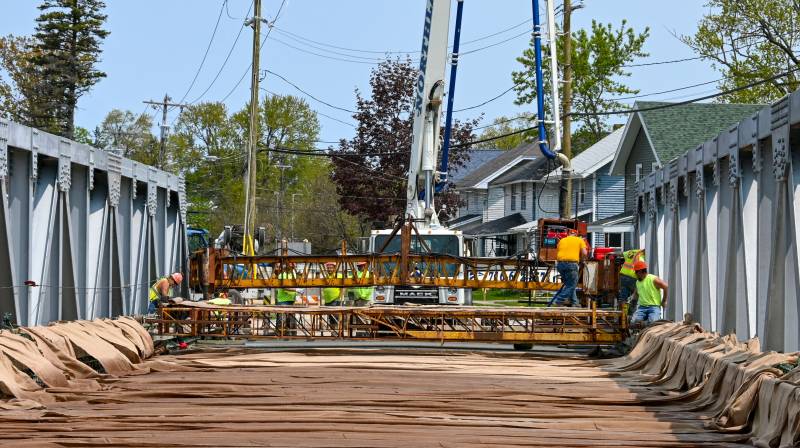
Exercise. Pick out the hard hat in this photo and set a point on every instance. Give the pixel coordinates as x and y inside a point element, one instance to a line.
<point>639,265</point>
<point>573,232</point>
<point>177,277</point>
<point>330,264</point>
<point>361,263</point>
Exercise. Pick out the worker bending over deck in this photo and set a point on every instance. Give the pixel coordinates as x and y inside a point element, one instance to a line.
<point>571,251</point>
<point>162,290</point>
<point>648,294</point>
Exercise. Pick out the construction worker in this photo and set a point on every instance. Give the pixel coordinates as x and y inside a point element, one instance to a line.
<point>571,251</point>
<point>286,297</point>
<point>332,296</point>
<point>647,292</point>
<point>162,290</point>
<point>363,294</point>
<point>627,275</point>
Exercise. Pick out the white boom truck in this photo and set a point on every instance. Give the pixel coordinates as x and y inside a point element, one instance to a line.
<point>423,176</point>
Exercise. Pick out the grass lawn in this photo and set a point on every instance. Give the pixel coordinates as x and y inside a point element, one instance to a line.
<point>507,297</point>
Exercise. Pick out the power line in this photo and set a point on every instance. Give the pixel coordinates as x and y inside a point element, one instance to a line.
<point>316,111</point>
<point>526,32</point>
<point>334,58</point>
<point>630,111</point>
<point>205,55</point>
<point>672,61</point>
<point>225,62</point>
<point>387,52</point>
<point>495,98</point>
<point>308,94</point>
<point>264,41</point>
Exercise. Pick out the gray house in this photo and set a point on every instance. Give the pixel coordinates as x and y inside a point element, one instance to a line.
<point>507,195</point>
<point>658,134</point>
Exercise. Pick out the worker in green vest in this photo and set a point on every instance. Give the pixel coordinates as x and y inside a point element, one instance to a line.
<point>162,290</point>
<point>627,275</point>
<point>363,294</point>
<point>286,297</point>
<point>651,293</point>
<point>332,296</point>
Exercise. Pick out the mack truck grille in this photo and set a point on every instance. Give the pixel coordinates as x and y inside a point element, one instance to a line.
<point>419,296</point>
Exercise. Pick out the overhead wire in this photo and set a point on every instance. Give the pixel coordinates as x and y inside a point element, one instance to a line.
<point>263,41</point>
<point>205,55</point>
<point>304,92</point>
<point>387,52</point>
<point>225,62</point>
<point>630,111</point>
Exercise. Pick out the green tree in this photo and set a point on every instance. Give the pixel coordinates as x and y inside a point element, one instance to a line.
<point>20,84</point>
<point>67,50</point>
<point>599,57</point>
<point>209,148</point>
<point>751,40</point>
<point>505,126</point>
<point>130,134</point>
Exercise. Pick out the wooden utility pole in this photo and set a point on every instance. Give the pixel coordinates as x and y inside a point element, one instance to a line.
<point>164,105</point>
<point>566,105</point>
<point>252,150</point>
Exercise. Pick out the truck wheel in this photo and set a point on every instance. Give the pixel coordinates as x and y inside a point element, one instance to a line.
<point>523,347</point>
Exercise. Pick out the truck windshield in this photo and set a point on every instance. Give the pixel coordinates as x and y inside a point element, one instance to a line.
<point>440,244</point>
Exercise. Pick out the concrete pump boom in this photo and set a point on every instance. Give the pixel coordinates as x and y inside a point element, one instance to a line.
<point>427,112</point>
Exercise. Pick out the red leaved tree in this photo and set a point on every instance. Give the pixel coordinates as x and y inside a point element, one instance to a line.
<point>370,170</point>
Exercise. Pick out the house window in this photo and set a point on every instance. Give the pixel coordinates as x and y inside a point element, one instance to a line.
<point>468,200</point>
<point>581,191</point>
<point>513,197</point>
<point>614,240</point>
<point>638,172</point>
<point>523,199</point>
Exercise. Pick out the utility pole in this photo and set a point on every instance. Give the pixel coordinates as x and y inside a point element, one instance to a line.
<point>250,186</point>
<point>165,105</point>
<point>566,101</point>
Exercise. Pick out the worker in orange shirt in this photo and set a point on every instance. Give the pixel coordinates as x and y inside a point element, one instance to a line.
<point>571,251</point>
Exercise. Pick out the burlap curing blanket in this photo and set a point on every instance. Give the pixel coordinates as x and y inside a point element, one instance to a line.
<point>82,384</point>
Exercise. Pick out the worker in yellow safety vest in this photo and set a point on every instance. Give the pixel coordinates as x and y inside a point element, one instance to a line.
<point>332,296</point>
<point>650,299</point>
<point>627,275</point>
<point>286,296</point>
<point>162,290</point>
<point>285,322</point>
<point>362,294</point>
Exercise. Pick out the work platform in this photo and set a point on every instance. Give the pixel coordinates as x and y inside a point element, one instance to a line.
<point>428,323</point>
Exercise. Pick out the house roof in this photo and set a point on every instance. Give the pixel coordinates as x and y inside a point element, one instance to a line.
<point>462,220</point>
<point>673,130</point>
<point>594,157</point>
<point>479,177</point>
<point>497,226</point>
<point>477,158</point>
<point>525,170</point>
<point>615,219</point>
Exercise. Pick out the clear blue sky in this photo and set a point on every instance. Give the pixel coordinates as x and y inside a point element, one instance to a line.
<point>156,46</point>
